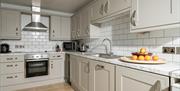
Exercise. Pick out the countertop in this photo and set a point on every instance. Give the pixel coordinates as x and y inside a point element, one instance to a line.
<point>162,69</point>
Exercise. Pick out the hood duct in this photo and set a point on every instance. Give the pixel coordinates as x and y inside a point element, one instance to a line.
<point>36,24</point>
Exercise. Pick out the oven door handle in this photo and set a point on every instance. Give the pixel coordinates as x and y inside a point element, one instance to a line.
<point>32,60</point>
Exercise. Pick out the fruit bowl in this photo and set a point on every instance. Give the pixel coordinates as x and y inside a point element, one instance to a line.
<point>142,54</point>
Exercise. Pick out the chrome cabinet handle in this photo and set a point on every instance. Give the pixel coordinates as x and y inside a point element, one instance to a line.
<point>133,22</point>
<point>9,77</point>
<point>157,86</point>
<point>106,7</point>
<point>9,65</point>
<point>99,67</point>
<point>9,58</point>
<point>101,9</point>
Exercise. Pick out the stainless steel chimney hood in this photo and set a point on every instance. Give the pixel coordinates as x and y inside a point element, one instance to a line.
<point>36,24</point>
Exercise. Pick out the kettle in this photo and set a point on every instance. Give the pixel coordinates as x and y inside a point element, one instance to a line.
<point>4,48</point>
<point>84,48</point>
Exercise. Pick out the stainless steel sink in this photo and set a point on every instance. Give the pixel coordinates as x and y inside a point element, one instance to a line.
<point>108,56</point>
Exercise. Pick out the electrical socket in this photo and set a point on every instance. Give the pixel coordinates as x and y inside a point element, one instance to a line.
<point>169,50</point>
<point>177,50</point>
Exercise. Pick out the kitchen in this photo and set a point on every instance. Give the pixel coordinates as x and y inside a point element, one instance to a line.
<point>90,45</point>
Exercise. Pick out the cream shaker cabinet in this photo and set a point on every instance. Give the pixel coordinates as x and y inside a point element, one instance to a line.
<point>84,70</point>
<point>10,23</point>
<point>56,65</point>
<point>60,28</point>
<point>128,79</point>
<point>147,15</point>
<point>74,72</point>
<point>102,76</point>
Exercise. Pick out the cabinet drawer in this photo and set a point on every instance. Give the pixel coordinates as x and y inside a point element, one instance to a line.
<point>11,79</point>
<point>12,58</point>
<point>8,68</point>
<point>57,56</point>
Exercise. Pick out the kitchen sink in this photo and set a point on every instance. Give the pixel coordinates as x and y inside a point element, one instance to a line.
<point>102,55</point>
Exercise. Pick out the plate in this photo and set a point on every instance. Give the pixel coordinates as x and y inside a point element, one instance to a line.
<point>128,59</point>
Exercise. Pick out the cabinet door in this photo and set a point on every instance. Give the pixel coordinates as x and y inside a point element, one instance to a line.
<point>134,80</point>
<point>65,28</point>
<point>56,69</point>
<point>145,17</point>
<point>55,28</point>
<point>0,24</point>
<point>98,9</point>
<point>11,24</point>
<point>102,77</point>
<point>84,74</point>
<point>118,5</point>
<point>74,72</point>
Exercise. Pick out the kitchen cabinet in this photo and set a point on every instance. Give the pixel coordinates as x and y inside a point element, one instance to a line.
<point>56,65</point>
<point>60,28</point>
<point>0,24</point>
<point>102,76</point>
<point>106,9</point>
<point>84,70</point>
<point>74,72</point>
<point>128,79</point>
<point>10,23</point>
<point>163,14</point>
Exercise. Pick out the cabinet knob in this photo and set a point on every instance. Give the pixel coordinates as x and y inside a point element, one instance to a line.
<point>16,29</point>
<point>15,76</point>
<point>51,66</point>
<point>16,65</point>
<point>16,33</point>
<point>53,31</point>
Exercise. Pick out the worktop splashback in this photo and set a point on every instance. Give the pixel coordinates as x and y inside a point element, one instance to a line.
<point>124,43</point>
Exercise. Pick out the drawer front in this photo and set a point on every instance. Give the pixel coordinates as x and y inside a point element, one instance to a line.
<point>12,58</point>
<point>15,67</point>
<point>11,79</point>
<point>57,56</point>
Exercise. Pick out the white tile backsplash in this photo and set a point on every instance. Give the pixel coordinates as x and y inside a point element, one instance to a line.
<point>33,41</point>
<point>124,43</point>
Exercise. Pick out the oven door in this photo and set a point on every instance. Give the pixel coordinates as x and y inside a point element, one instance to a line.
<point>37,67</point>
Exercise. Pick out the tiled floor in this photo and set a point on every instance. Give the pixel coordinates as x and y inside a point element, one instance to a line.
<point>54,87</point>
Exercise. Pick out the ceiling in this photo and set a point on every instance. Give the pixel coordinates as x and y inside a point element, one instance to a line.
<point>69,6</point>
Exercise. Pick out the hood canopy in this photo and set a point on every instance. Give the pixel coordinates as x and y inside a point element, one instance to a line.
<point>36,24</point>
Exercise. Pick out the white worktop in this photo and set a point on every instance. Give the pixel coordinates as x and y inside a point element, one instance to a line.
<point>162,69</point>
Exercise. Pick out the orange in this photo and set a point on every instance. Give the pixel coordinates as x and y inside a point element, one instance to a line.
<point>155,58</point>
<point>147,58</point>
<point>143,50</point>
<point>134,57</point>
<point>141,58</point>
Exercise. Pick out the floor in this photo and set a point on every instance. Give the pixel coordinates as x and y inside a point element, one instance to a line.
<point>54,87</point>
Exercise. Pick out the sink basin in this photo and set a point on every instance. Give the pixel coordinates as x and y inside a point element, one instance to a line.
<point>108,56</point>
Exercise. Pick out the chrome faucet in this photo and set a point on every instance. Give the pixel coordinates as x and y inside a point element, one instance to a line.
<point>110,43</point>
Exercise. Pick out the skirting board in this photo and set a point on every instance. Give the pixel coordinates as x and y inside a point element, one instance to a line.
<point>33,84</point>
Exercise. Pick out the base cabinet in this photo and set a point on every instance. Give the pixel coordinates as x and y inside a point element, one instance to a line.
<point>102,77</point>
<point>128,79</point>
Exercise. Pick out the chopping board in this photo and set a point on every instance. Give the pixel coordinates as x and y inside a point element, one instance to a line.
<point>128,59</point>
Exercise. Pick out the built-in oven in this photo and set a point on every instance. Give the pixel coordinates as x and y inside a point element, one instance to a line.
<point>36,65</point>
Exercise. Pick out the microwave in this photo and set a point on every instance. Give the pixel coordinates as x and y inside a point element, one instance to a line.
<point>69,46</point>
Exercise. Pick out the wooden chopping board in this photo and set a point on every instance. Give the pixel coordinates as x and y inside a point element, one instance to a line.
<point>128,59</point>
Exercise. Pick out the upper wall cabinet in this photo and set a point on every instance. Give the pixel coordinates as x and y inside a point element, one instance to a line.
<point>147,15</point>
<point>105,9</point>
<point>60,28</point>
<point>10,24</point>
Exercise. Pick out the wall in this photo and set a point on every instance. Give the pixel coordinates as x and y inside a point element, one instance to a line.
<point>124,43</point>
<point>32,41</point>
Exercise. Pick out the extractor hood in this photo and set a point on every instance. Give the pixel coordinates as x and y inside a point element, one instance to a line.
<point>35,24</point>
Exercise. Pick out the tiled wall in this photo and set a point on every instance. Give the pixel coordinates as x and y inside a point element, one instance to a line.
<point>124,43</point>
<point>33,41</point>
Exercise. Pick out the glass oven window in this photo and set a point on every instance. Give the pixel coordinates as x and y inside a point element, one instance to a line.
<point>36,68</point>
